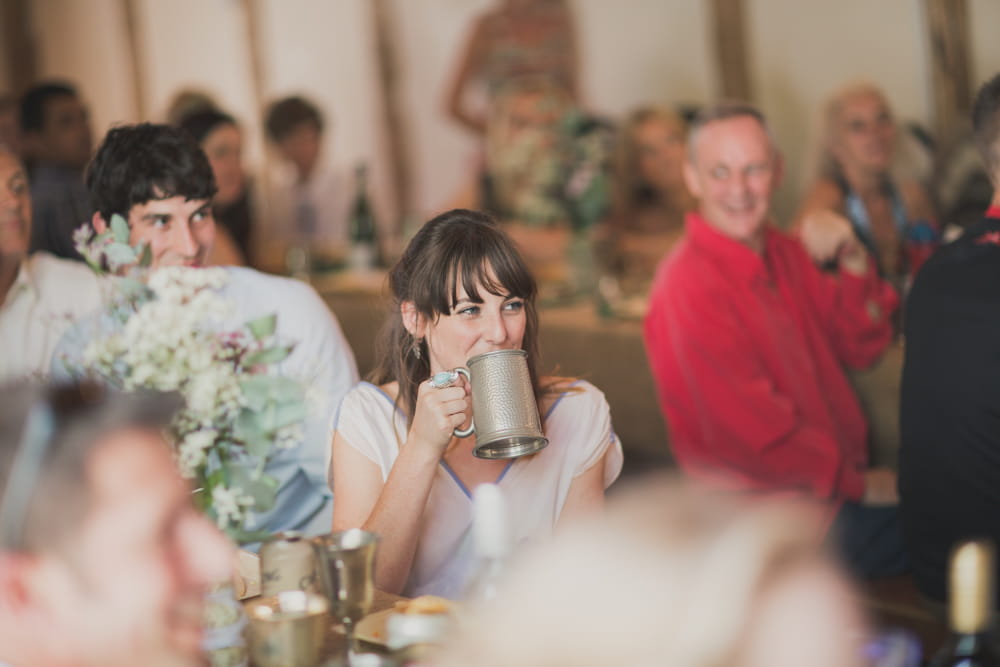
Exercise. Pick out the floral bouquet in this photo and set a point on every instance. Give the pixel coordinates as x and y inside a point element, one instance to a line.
<point>585,189</point>
<point>555,176</point>
<point>166,335</point>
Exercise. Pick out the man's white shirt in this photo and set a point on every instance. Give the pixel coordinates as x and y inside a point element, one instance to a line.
<point>47,296</point>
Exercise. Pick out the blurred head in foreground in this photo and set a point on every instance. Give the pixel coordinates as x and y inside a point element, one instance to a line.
<point>103,558</point>
<point>673,576</point>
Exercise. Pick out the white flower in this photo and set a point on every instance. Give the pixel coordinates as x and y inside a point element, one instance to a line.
<point>229,504</point>
<point>226,504</point>
<point>214,392</point>
<point>290,436</point>
<point>192,449</point>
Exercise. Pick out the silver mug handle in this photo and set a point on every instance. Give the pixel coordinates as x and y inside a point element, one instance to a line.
<point>464,433</point>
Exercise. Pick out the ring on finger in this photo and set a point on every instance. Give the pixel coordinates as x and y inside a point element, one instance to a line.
<point>444,379</point>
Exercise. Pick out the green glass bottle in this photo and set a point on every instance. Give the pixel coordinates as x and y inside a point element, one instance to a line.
<point>364,237</point>
<point>972,642</point>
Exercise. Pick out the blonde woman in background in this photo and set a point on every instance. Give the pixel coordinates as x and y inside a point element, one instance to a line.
<point>673,576</point>
<point>650,196</point>
<point>863,176</point>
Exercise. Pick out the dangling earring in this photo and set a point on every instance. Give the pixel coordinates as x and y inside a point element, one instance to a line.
<point>415,346</point>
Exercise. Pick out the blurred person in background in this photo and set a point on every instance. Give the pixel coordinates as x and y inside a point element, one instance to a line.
<point>220,137</point>
<point>516,39</point>
<point>10,124</point>
<point>56,135</point>
<point>858,178</point>
<point>521,171</point>
<point>309,200</point>
<point>672,575</point>
<point>188,101</point>
<point>159,180</point>
<point>748,340</point>
<point>949,473</point>
<point>40,294</point>
<point>104,561</point>
<point>650,196</point>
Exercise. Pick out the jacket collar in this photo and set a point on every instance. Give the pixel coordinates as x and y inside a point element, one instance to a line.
<point>732,256</point>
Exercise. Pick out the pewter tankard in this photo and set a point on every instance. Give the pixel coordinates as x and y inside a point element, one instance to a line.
<point>505,414</point>
<point>346,564</point>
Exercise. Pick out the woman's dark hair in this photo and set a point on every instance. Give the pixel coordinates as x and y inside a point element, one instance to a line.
<point>288,114</point>
<point>139,163</point>
<point>202,123</point>
<point>459,248</point>
<point>35,100</point>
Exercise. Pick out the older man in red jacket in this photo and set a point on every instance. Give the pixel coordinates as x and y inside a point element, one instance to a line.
<point>747,340</point>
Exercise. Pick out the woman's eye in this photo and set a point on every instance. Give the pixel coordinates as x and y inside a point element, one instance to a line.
<point>469,310</point>
<point>199,216</point>
<point>514,305</point>
<point>161,221</point>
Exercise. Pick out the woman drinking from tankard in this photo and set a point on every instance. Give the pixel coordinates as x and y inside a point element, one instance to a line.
<point>461,289</point>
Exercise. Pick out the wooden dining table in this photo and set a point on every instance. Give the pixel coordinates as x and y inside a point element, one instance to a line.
<point>334,646</point>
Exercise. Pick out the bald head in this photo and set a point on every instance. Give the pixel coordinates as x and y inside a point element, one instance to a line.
<point>15,208</point>
<point>726,111</point>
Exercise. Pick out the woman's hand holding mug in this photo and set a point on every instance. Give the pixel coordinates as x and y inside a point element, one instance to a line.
<point>442,407</point>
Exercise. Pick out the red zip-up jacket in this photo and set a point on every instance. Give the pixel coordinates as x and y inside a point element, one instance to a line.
<point>747,352</point>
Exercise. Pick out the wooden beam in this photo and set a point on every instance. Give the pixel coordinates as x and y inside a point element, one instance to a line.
<point>731,49</point>
<point>19,45</point>
<point>951,91</point>
<point>256,52</point>
<point>386,37</point>
<point>134,44</point>
<point>258,85</point>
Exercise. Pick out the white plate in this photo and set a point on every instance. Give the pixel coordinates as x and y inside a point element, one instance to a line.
<point>373,627</point>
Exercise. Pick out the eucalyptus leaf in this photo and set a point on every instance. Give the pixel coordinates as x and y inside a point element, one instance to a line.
<point>263,490</point>
<point>217,477</point>
<point>248,430</point>
<point>133,289</point>
<point>260,390</point>
<point>270,355</point>
<point>256,391</point>
<point>146,258</point>
<point>242,536</point>
<point>119,228</point>
<point>279,415</point>
<point>287,390</point>
<point>262,327</point>
<point>120,254</point>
